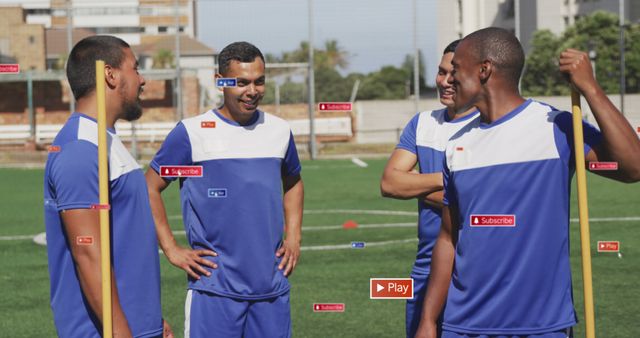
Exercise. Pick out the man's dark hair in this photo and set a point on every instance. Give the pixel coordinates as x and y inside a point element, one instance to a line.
<point>238,51</point>
<point>81,65</point>
<point>451,47</point>
<point>502,48</point>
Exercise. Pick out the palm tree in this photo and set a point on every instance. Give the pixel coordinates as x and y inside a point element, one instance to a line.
<point>336,56</point>
<point>163,59</point>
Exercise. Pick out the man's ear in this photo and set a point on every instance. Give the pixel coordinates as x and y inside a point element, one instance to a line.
<point>486,68</point>
<point>111,76</point>
<point>216,77</point>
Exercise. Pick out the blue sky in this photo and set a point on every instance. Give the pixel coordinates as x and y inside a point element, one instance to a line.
<point>373,32</point>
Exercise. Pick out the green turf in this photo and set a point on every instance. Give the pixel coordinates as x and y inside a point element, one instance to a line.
<point>330,276</point>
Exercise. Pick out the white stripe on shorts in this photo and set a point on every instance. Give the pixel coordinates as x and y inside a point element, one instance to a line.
<point>187,313</point>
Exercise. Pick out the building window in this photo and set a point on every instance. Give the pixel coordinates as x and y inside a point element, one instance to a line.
<point>162,29</point>
<point>510,9</point>
<point>32,39</point>
<point>116,30</point>
<point>38,11</point>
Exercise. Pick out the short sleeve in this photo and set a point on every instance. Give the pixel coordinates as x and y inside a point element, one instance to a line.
<point>74,176</point>
<point>563,132</point>
<point>408,136</point>
<point>291,163</point>
<point>175,150</point>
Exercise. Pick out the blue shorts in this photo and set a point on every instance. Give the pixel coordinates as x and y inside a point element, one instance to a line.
<point>210,315</point>
<point>566,333</point>
<point>413,311</point>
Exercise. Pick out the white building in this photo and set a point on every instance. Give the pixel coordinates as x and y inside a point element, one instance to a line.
<point>129,20</point>
<point>461,17</point>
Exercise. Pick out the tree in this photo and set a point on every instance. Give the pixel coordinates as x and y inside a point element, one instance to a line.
<point>163,59</point>
<point>335,55</point>
<point>408,66</point>
<point>541,73</point>
<point>598,32</point>
<point>389,83</point>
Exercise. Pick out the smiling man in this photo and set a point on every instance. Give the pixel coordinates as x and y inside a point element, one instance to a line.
<point>500,266</point>
<point>422,142</point>
<point>235,214</point>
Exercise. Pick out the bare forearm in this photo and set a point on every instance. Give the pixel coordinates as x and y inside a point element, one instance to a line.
<point>620,142</point>
<point>87,257</point>
<point>89,275</point>
<point>405,185</point>
<point>293,202</point>
<point>439,279</point>
<point>163,229</point>
<point>441,269</point>
<point>434,199</point>
<point>155,186</point>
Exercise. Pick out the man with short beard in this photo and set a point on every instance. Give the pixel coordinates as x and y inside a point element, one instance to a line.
<point>422,143</point>
<point>70,197</point>
<point>235,215</point>
<point>500,265</point>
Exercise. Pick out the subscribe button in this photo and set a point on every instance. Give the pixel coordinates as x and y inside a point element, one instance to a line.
<point>391,288</point>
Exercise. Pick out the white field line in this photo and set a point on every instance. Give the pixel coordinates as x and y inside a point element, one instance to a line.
<point>360,163</point>
<point>335,227</point>
<point>344,211</point>
<point>361,212</point>
<point>343,166</point>
<point>16,238</point>
<point>348,246</point>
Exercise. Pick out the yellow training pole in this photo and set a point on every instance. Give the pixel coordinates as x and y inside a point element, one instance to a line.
<point>103,179</point>
<point>585,241</point>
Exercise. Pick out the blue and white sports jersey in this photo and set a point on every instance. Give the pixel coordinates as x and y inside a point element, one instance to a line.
<point>236,207</point>
<point>71,182</point>
<point>510,181</point>
<point>426,136</point>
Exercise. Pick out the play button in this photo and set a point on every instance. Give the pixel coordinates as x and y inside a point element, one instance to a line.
<point>390,288</point>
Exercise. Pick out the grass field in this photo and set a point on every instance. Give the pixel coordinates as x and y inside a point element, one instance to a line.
<point>327,276</point>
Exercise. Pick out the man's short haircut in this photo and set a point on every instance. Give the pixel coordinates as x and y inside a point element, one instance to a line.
<point>238,51</point>
<point>81,65</point>
<point>501,47</point>
<point>451,47</point>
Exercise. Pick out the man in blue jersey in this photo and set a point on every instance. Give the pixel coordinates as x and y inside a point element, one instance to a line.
<point>423,142</point>
<point>507,179</point>
<point>235,215</point>
<point>71,203</point>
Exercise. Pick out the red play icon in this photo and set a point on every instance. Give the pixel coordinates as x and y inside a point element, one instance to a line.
<point>84,240</point>
<point>181,171</point>
<point>335,106</point>
<point>608,246</point>
<point>492,220</point>
<point>391,288</point>
<point>328,307</point>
